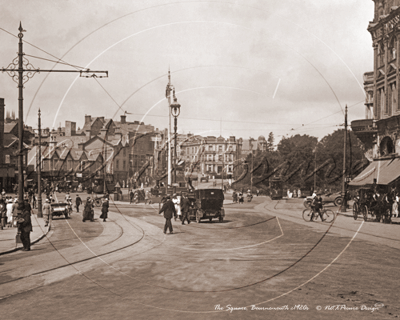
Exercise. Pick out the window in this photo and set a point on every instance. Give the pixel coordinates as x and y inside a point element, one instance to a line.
<point>124,152</point>
<point>209,167</point>
<point>209,157</point>
<point>380,55</point>
<point>210,147</point>
<point>393,95</point>
<point>220,157</point>
<point>117,164</point>
<point>392,50</point>
<point>7,158</point>
<point>123,165</point>
<point>219,148</point>
<point>383,104</point>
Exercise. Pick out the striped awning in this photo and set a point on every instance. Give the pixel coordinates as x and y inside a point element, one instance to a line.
<point>382,171</point>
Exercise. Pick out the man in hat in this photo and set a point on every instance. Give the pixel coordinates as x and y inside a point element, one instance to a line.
<point>317,206</point>
<point>185,205</point>
<point>78,202</point>
<point>25,227</point>
<point>169,211</point>
<point>47,212</point>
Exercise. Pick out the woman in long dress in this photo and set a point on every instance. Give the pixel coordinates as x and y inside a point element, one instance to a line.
<point>87,211</point>
<point>9,212</point>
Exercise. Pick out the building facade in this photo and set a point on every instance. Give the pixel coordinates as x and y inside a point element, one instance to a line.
<point>210,156</point>
<point>380,130</point>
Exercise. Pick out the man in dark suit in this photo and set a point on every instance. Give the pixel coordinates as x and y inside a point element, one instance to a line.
<point>185,205</point>
<point>25,227</point>
<point>169,211</point>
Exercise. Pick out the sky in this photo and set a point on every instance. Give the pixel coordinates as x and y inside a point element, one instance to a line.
<point>240,68</point>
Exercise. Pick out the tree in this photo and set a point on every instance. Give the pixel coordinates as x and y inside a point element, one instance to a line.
<point>270,142</point>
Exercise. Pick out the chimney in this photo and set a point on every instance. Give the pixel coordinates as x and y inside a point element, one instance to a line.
<point>70,128</point>
<point>88,133</point>
<point>123,119</point>
<point>88,119</point>
<point>1,130</point>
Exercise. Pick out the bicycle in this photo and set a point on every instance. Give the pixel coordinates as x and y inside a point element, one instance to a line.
<point>327,215</point>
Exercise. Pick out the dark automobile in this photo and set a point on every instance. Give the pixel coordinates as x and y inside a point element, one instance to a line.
<point>336,198</point>
<point>206,204</point>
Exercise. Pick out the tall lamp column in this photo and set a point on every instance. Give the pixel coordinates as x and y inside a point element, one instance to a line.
<point>175,111</point>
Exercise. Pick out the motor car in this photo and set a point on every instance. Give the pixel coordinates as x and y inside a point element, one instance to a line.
<point>206,204</point>
<point>335,198</point>
<point>61,209</point>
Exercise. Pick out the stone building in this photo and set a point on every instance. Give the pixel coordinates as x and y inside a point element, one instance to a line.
<point>380,130</point>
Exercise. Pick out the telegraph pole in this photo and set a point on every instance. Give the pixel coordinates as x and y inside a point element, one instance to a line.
<point>39,169</point>
<point>168,90</point>
<point>344,191</point>
<point>21,70</point>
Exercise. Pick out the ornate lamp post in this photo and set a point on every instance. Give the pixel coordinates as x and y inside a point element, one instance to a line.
<point>175,111</point>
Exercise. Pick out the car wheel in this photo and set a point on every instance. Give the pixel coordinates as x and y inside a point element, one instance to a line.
<point>221,219</point>
<point>210,219</point>
<point>338,201</point>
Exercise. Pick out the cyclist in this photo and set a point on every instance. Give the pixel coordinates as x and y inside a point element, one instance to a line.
<point>316,206</point>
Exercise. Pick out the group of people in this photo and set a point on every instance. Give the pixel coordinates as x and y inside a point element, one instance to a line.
<point>8,212</point>
<point>295,193</point>
<point>134,196</point>
<point>175,207</point>
<point>14,214</point>
<point>239,196</point>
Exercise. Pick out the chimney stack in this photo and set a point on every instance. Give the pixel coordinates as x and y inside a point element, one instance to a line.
<point>88,119</point>
<point>123,119</point>
<point>70,128</point>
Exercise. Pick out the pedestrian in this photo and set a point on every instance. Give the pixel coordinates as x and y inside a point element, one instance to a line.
<point>395,209</point>
<point>25,227</point>
<point>34,201</point>
<point>169,211</point>
<point>104,210</point>
<point>185,205</point>
<point>241,198</point>
<point>3,194</point>
<point>258,192</point>
<point>299,193</point>
<point>234,196</point>
<point>146,197</point>
<point>47,212</point>
<point>87,211</point>
<point>176,201</point>
<point>27,205</point>
<point>3,214</point>
<point>131,196</point>
<point>9,207</point>
<point>78,202</point>
<point>15,212</point>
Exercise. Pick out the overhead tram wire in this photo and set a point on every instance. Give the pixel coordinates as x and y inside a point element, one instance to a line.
<point>36,47</point>
<point>60,62</point>
<point>353,105</point>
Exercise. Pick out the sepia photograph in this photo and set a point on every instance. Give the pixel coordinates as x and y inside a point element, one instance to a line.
<point>199,159</point>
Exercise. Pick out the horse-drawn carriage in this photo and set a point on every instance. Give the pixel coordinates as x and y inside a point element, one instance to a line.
<point>377,205</point>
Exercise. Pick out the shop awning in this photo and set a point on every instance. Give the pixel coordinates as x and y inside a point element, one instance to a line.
<point>384,171</point>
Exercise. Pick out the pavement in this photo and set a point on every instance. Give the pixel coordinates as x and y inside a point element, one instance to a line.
<point>8,235</point>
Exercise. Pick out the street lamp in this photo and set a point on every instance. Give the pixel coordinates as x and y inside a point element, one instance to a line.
<point>175,111</point>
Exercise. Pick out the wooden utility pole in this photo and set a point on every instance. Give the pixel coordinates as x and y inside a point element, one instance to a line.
<point>21,70</point>
<point>39,168</point>
<point>344,186</point>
